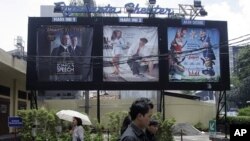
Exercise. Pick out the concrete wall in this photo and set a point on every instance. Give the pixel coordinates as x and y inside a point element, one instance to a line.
<point>182,110</point>
<point>107,106</point>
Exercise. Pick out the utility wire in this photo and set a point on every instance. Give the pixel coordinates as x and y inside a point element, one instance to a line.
<point>47,59</point>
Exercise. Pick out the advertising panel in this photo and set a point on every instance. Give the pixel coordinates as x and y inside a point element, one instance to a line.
<point>130,54</point>
<point>112,53</point>
<point>64,53</point>
<point>194,54</point>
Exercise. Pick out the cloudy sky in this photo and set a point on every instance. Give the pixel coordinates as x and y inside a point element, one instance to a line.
<point>15,13</point>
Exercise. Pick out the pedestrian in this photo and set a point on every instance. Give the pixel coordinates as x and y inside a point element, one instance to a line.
<point>152,130</point>
<point>78,131</point>
<point>140,113</point>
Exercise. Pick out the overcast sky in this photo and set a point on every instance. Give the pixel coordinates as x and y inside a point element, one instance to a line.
<point>15,13</point>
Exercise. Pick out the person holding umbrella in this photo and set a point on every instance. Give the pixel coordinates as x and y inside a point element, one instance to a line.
<point>77,131</point>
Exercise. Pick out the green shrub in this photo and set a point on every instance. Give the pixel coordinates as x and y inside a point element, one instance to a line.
<point>238,120</point>
<point>114,125</point>
<point>98,136</point>
<point>42,123</point>
<point>244,111</point>
<point>164,132</point>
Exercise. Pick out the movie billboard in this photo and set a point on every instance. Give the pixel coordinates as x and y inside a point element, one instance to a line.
<point>194,54</point>
<point>64,53</point>
<point>130,54</point>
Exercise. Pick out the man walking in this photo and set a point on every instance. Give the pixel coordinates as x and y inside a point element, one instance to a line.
<point>141,111</point>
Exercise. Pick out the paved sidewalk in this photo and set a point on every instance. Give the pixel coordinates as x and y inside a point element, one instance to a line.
<point>193,138</point>
<point>9,137</point>
<point>203,137</point>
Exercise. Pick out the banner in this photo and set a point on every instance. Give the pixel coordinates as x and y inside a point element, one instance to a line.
<point>130,53</point>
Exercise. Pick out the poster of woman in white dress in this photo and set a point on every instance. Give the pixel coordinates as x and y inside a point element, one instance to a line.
<point>130,53</point>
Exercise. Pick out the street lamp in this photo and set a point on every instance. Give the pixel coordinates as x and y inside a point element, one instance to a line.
<point>197,3</point>
<point>203,12</point>
<point>129,8</point>
<point>152,1</point>
<point>58,7</point>
<point>151,6</point>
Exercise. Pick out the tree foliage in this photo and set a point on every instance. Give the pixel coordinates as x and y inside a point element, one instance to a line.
<point>244,112</point>
<point>241,80</point>
<point>243,63</point>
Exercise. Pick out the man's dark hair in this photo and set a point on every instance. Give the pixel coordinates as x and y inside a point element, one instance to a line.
<point>140,106</point>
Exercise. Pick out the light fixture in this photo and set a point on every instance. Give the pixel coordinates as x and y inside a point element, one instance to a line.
<point>197,3</point>
<point>129,7</point>
<point>152,1</point>
<point>203,12</point>
<point>58,7</point>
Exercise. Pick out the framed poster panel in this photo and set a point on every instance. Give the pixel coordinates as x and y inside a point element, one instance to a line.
<point>130,54</point>
<point>197,55</point>
<point>59,53</point>
<point>64,53</point>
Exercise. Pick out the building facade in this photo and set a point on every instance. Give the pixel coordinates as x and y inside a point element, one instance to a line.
<point>13,94</point>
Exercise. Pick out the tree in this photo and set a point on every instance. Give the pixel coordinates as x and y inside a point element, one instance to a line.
<point>241,80</point>
<point>244,63</point>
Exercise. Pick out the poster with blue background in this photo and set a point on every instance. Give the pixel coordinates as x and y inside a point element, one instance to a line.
<point>194,54</point>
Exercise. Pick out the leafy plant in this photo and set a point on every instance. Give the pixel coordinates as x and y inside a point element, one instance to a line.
<point>40,125</point>
<point>115,120</point>
<point>98,136</point>
<point>244,111</point>
<point>164,132</point>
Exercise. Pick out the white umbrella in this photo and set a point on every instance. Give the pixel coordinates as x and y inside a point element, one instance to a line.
<point>69,114</point>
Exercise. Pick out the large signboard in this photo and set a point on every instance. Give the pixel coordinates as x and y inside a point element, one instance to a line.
<point>130,53</point>
<point>64,53</point>
<point>194,54</point>
<point>111,53</point>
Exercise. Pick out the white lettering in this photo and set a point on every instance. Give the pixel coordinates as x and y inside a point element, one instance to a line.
<point>239,132</point>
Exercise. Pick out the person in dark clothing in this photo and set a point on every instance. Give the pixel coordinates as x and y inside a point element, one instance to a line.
<point>140,113</point>
<point>76,53</point>
<point>137,55</point>
<point>125,124</point>
<point>61,63</point>
<point>151,130</point>
<point>64,48</point>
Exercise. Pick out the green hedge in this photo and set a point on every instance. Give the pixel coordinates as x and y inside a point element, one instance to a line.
<point>239,120</point>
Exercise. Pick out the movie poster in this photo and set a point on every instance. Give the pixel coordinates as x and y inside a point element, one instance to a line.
<point>130,54</point>
<point>64,53</point>
<point>194,54</point>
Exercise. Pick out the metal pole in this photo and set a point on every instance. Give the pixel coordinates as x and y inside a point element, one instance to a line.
<point>108,134</point>
<point>86,102</point>
<point>163,108</point>
<point>181,135</point>
<point>98,106</point>
<point>158,101</point>
<point>225,100</point>
<point>15,134</point>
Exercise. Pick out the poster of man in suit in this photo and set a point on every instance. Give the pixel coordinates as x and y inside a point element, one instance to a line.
<point>65,53</point>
